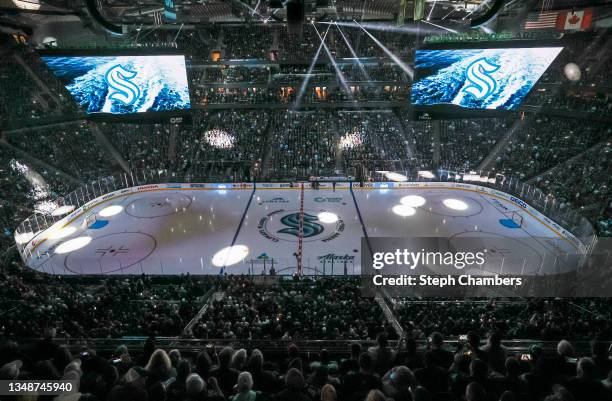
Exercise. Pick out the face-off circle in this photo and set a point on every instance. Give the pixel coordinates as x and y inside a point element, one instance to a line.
<point>503,254</point>
<point>283,225</point>
<point>158,205</point>
<point>111,253</point>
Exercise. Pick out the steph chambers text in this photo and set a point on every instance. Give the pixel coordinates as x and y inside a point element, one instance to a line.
<point>445,281</point>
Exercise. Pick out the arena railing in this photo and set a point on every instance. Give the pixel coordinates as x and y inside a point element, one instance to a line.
<point>279,347</point>
<point>557,211</point>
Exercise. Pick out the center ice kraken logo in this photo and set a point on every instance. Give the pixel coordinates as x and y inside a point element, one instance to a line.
<point>310,227</point>
<point>283,225</point>
<point>118,78</point>
<point>478,74</point>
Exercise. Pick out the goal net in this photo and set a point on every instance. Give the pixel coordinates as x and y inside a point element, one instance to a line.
<point>517,218</point>
<point>89,220</point>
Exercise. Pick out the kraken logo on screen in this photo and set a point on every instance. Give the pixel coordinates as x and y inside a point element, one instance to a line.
<point>118,78</point>
<point>292,221</point>
<point>478,74</point>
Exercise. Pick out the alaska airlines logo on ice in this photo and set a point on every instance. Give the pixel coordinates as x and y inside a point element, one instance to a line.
<point>292,221</point>
<point>478,73</point>
<point>118,78</point>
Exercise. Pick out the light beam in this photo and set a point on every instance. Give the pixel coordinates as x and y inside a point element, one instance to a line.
<point>338,72</point>
<point>298,99</point>
<point>359,63</point>
<point>393,57</point>
<point>441,27</point>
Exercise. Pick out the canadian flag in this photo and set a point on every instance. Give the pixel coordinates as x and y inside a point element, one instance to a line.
<point>575,20</point>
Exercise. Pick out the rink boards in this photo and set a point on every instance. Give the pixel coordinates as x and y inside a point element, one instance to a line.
<point>180,228</point>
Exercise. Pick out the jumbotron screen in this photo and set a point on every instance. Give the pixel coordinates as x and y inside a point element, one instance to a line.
<point>124,84</point>
<point>486,79</point>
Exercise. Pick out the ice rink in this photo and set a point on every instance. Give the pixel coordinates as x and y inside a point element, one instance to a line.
<point>180,228</point>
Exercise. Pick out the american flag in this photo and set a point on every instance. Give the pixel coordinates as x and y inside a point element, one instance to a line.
<point>541,20</point>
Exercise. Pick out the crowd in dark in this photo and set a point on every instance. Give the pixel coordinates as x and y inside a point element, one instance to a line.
<point>238,308</point>
<point>474,370</point>
<point>545,319</point>
<point>84,308</point>
<point>291,311</point>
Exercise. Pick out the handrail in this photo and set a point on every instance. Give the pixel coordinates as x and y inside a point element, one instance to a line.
<point>276,347</point>
<point>208,297</point>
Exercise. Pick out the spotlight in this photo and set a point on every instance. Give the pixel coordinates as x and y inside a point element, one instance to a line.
<point>393,176</point>
<point>455,204</point>
<point>413,200</point>
<point>61,233</point>
<point>230,255</point>
<point>62,210</point>
<point>110,211</point>
<point>328,217</point>
<point>403,210</point>
<point>72,245</point>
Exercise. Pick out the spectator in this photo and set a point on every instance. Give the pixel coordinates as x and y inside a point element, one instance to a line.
<point>195,387</point>
<point>264,380</point>
<point>432,377</point>
<point>159,367</point>
<point>495,353</point>
<point>176,389</point>
<point>382,356</point>
<point>439,356</point>
<point>294,388</point>
<point>244,388</point>
<point>351,364</point>
<point>224,373</point>
<point>239,359</point>
<point>474,392</point>
<point>585,385</point>
<point>328,393</point>
<point>358,384</point>
<point>397,383</point>
<point>375,395</point>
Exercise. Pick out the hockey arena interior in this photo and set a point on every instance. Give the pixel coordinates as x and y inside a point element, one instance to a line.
<point>191,192</point>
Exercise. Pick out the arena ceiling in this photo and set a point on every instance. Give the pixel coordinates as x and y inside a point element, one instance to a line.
<point>127,15</point>
<point>205,11</point>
